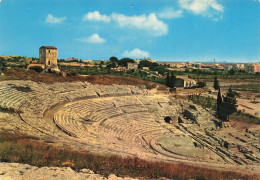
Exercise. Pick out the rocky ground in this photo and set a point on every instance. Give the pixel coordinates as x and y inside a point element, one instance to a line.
<point>10,171</point>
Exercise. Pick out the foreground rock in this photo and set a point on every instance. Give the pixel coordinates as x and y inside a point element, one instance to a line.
<point>25,171</point>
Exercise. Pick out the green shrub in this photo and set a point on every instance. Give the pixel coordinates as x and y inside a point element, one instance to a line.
<point>38,69</point>
<point>201,84</point>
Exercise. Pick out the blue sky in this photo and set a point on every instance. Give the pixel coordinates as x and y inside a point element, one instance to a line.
<point>165,30</point>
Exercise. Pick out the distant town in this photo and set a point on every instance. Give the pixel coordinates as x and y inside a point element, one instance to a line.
<point>187,74</point>
<point>129,64</point>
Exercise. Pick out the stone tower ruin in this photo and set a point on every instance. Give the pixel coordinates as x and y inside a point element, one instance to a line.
<point>48,56</point>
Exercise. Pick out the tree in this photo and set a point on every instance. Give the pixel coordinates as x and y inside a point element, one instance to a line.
<point>220,113</point>
<point>145,63</point>
<point>124,61</point>
<point>232,71</point>
<point>113,59</point>
<point>2,65</point>
<point>172,80</point>
<point>201,84</point>
<point>111,65</point>
<point>216,83</point>
<point>113,62</point>
<point>229,104</point>
<point>168,80</point>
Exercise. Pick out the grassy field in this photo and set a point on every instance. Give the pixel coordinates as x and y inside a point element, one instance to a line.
<point>20,148</point>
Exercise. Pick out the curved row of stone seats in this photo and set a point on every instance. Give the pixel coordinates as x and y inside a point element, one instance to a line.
<point>63,120</point>
<point>12,99</point>
<point>124,89</point>
<point>38,108</point>
<point>106,91</point>
<point>23,89</point>
<point>67,87</point>
<point>126,101</point>
<point>150,133</point>
<point>145,125</point>
<point>111,121</point>
<point>36,122</point>
<point>117,127</point>
<point>96,104</point>
<point>136,90</point>
<point>128,128</point>
<point>98,116</point>
<point>133,108</point>
<point>12,121</point>
<point>68,122</point>
<point>71,122</point>
<point>85,107</point>
<point>128,132</point>
<point>139,116</point>
<point>153,99</point>
<point>82,93</point>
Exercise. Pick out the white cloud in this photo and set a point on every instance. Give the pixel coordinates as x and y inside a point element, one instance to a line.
<point>94,39</point>
<point>54,20</point>
<point>136,53</point>
<point>95,16</point>
<point>149,23</point>
<point>170,13</point>
<point>203,7</point>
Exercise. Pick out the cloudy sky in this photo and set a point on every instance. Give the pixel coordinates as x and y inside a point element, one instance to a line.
<point>165,30</point>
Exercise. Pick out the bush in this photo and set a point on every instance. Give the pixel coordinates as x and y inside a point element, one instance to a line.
<point>38,69</point>
<point>201,84</point>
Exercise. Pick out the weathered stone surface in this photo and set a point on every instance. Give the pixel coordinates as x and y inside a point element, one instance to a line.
<point>24,171</point>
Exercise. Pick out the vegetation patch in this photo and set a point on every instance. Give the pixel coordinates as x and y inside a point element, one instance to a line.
<point>21,148</point>
<point>38,69</point>
<point>21,88</point>
<point>245,117</point>
<point>203,101</point>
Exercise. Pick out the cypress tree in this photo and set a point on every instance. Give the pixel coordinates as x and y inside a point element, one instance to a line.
<point>216,83</point>
<point>168,83</point>
<point>220,106</point>
<point>172,80</point>
<point>229,103</point>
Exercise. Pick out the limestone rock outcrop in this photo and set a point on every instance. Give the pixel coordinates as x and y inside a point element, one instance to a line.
<point>25,171</point>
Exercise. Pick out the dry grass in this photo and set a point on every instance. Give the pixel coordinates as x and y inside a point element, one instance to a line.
<point>21,148</point>
<point>243,117</point>
<point>49,78</point>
